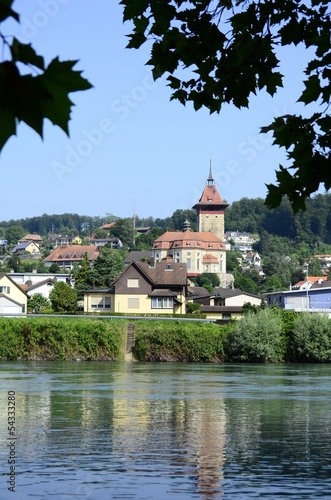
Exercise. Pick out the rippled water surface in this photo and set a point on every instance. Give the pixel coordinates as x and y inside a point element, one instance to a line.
<point>154,431</point>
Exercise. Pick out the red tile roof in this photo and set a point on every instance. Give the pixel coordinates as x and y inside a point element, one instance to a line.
<point>31,237</point>
<point>73,253</point>
<point>208,259</point>
<point>312,279</point>
<point>211,195</point>
<point>176,239</point>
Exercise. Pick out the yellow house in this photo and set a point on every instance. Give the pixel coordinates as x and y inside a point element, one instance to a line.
<point>12,299</point>
<point>227,303</point>
<point>26,247</point>
<point>143,289</point>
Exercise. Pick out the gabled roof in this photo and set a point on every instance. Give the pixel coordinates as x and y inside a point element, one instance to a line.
<point>160,274</point>
<point>23,245</point>
<point>324,284</point>
<point>26,287</point>
<point>162,292</point>
<point>138,268</point>
<point>208,259</point>
<point>311,279</point>
<point>197,292</point>
<point>73,253</point>
<point>224,293</point>
<point>108,225</point>
<point>166,273</point>
<point>250,255</point>
<point>138,256</point>
<point>31,237</point>
<point>2,275</point>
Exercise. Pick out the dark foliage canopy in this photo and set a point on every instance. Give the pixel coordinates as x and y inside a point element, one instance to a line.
<point>217,52</point>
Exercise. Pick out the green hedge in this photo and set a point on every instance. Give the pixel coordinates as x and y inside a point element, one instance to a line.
<point>178,341</point>
<point>61,338</point>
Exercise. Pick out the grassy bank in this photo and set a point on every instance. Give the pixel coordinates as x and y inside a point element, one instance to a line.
<point>267,335</point>
<point>61,338</point>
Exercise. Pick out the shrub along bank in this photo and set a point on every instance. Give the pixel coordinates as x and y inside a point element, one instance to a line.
<point>263,335</point>
<point>179,341</point>
<point>61,338</point>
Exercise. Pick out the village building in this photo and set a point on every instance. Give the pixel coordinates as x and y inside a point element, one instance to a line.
<point>223,304</point>
<point>59,240</point>
<point>143,289</point>
<point>13,300</point>
<point>27,247</point>
<point>202,251</point>
<point>308,282</point>
<point>313,299</point>
<point>67,256</point>
<point>114,243</point>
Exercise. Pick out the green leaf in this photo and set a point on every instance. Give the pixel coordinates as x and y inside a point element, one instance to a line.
<point>61,74</point>
<point>30,109</point>
<point>8,126</point>
<point>6,10</point>
<point>26,54</point>
<point>133,8</point>
<point>59,79</point>
<point>174,83</point>
<point>58,109</point>
<point>136,40</point>
<point>312,90</point>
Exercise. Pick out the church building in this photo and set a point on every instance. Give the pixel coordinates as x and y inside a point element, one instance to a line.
<point>202,251</point>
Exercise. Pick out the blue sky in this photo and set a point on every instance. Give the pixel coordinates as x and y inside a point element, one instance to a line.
<point>130,149</point>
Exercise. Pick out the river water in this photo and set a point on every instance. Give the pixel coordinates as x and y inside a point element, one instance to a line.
<point>156,431</point>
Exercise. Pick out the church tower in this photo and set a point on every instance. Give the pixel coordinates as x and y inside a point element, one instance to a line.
<point>210,209</point>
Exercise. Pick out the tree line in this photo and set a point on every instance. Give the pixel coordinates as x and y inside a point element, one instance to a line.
<point>285,240</point>
<point>311,226</point>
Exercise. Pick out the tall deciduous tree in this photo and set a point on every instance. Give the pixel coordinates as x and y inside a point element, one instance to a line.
<point>38,302</point>
<point>124,230</point>
<point>218,52</point>
<point>15,233</point>
<point>63,298</point>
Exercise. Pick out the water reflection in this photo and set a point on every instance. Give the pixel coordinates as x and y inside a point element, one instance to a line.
<point>152,431</point>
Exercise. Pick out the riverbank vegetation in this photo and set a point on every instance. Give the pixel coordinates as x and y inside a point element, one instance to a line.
<point>262,336</point>
<point>61,338</point>
<point>179,341</point>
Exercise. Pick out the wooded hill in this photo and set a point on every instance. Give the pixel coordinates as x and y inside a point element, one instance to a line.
<point>285,240</point>
<point>312,226</point>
